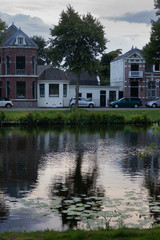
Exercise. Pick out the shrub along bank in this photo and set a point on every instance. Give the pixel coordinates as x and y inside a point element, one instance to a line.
<point>78,117</point>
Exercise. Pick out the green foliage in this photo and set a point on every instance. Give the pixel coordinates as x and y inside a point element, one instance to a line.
<point>151,51</point>
<point>140,119</point>
<point>3,27</point>
<point>43,52</point>
<point>77,41</point>
<point>105,64</point>
<point>80,117</point>
<point>120,234</point>
<point>2,116</point>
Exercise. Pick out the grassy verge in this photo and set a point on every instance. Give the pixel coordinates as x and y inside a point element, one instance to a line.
<point>126,234</point>
<point>79,117</point>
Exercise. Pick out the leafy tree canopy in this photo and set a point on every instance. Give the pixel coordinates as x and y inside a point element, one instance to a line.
<point>3,27</point>
<point>151,51</point>
<point>77,41</point>
<point>43,53</point>
<point>105,64</point>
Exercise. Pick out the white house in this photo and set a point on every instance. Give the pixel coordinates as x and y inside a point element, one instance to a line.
<point>56,88</point>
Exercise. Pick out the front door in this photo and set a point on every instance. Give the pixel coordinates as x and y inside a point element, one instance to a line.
<point>134,89</point>
<point>102,98</point>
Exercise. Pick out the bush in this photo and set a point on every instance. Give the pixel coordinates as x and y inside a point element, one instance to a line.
<point>2,116</point>
<point>140,119</point>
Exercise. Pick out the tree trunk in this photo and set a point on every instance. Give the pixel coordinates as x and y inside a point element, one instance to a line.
<point>77,91</point>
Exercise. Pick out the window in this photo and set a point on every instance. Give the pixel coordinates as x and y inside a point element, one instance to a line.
<point>33,90</point>
<point>20,65</point>
<point>134,67</point>
<point>20,40</point>
<point>21,90</point>
<point>42,90</point>
<point>156,67</point>
<point>8,90</point>
<point>89,96</point>
<point>54,90</point>
<point>0,89</point>
<point>64,90</point>
<point>0,66</point>
<point>33,65</point>
<point>151,89</point>
<point>112,96</point>
<point>7,66</point>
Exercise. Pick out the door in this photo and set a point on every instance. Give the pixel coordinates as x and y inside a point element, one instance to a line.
<point>102,98</point>
<point>134,89</point>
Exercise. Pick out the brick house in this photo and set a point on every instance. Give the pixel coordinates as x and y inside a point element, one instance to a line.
<point>18,68</point>
<point>134,77</point>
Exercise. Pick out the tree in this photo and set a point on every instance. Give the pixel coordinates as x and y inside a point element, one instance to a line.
<point>151,52</point>
<point>76,43</point>
<point>42,54</point>
<point>105,64</point>
<point>3,27</point>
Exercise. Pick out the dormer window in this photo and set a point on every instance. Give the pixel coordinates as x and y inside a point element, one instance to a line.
<point>20,40</point>
<point>156,67</point>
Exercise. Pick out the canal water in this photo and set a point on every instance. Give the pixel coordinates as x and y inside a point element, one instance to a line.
<point>84,178</point>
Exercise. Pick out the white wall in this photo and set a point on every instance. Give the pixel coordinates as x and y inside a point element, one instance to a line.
<point>117,71</point>
<point>64,101</point>
<point>95,90</point>
<point>53,101</point>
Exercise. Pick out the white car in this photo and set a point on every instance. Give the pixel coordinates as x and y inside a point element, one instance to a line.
<point>82,102</point>
<point>5,102</point>
<point>155,103</point>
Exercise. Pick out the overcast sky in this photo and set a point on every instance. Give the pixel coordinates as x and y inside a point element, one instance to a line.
<point>127,23</point>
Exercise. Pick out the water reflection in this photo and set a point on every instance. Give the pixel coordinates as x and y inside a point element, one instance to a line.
<point>74,173</point>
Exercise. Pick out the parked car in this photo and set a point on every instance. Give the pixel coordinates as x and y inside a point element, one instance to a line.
<point>127,102</point>
<point>154,103</point>
<point>5,102</point>
<point>82,102</point>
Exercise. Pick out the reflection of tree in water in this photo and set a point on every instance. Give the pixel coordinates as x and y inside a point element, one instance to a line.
<point>4,212</point>
<point>152,183</point>
<point>80,193</point>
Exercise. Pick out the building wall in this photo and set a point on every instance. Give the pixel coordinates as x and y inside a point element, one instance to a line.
<point>117,73</point>
<point>9,80</point>
<point>95,91</point>
<point>121,75</point>
<point>62,101</point>
<point>48,101</point>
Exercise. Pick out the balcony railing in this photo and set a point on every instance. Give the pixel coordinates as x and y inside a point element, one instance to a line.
<point>20,71</point>
<point>135,74</point>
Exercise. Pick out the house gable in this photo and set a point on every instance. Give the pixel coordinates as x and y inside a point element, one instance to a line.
<point>15,37</point>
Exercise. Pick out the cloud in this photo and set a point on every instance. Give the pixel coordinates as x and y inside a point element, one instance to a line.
<point>140,17</point>
<point>30,25</point>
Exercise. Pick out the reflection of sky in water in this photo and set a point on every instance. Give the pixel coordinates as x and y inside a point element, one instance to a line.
<point>104,162</point>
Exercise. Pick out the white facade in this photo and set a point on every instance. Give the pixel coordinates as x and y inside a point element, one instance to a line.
<point>117,73</point>
<point>99,93</point>
<point>53,100</point>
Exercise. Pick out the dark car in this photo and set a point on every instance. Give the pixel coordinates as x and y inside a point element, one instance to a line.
<point>127,102</point>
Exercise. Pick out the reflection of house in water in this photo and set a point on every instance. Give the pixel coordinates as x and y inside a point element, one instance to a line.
<point>18,162</point>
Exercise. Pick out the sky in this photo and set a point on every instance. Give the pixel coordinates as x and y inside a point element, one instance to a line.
<point>127,23</point>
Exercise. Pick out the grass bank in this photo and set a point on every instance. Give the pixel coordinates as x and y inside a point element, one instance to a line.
<point>79,117</point>
<point>126,234</point>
